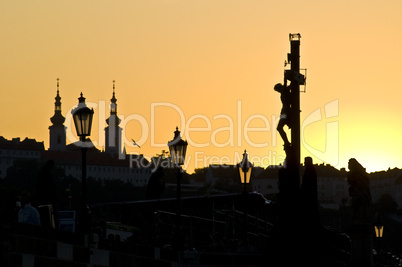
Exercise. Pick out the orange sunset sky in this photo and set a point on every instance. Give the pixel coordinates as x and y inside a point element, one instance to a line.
<point>211,65</point>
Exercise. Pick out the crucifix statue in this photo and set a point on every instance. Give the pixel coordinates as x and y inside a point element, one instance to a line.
<point>290,98</point>
<point>285,112</point>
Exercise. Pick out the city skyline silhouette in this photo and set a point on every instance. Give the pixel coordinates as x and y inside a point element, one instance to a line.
<point>203,61</point>
<point>208,70</point>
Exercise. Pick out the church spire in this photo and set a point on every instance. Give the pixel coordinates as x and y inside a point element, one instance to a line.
<point>57,118</point>
<point>113,131</point>
<point>57,130</point>
<point>113,119</point>
<point>113,100</point>
<point>57,104</point>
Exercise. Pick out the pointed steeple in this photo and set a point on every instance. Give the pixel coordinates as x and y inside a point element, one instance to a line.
<point>113,100</point>
<point>113,108</point>
<point>57,118</point>
<point>57,104</point>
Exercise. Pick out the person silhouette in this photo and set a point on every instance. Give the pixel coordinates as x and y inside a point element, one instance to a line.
<point>27,213</point>
<point>285,112</point>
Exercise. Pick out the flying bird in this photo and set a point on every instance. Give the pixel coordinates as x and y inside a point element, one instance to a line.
<point>135,143</point>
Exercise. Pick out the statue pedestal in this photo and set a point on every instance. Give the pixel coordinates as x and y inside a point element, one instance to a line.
<point>362,244</point>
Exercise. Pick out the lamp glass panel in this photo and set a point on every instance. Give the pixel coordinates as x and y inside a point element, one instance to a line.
<point>241,175</point>
<point>378,231</point>
<point>77,123</point>
<point>248,175</point>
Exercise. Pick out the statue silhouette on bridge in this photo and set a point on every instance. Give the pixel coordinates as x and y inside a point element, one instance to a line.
<point>285,112</point>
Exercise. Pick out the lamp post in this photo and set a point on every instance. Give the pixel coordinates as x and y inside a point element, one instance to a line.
<point>245,168</point>
<point>82,117</point>
<point>178,148</point>
<point>379,229</point>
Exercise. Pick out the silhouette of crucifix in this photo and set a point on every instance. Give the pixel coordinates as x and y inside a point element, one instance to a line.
<point>290,97</point>
<point>285,112</point>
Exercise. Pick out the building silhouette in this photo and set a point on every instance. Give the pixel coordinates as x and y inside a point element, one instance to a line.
<point>15,149</point>
<point>332,187</point>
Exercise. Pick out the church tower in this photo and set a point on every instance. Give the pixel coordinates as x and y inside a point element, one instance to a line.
<point>57,131</point>
<point>113,130</point>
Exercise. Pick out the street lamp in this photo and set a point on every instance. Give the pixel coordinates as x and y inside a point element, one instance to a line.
<point>245,167</point>
<point>82,117</point>
<point>178,148</point>
<point>379,229</point>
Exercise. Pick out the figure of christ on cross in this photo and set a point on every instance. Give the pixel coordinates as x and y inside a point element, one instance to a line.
<point>285,112</point>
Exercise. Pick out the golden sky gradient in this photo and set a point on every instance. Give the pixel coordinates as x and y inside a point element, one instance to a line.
<point>201,63</point>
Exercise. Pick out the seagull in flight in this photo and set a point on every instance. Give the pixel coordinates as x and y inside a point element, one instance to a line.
<point>135,143</point>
